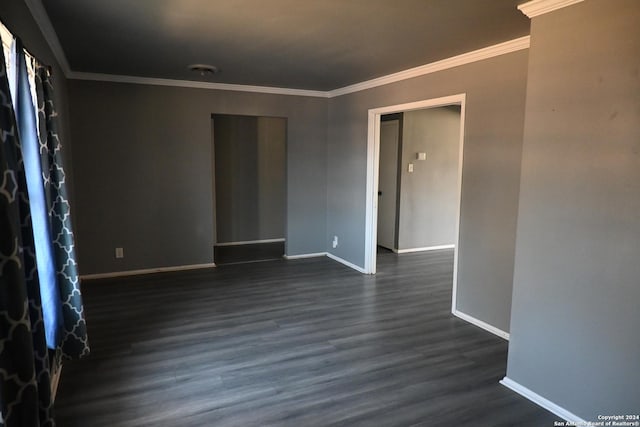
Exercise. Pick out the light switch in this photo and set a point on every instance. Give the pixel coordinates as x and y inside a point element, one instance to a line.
<point>421,156</point>
<point>410,167</point>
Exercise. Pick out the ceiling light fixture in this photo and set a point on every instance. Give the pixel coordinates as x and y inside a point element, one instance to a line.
<point>204,70</point>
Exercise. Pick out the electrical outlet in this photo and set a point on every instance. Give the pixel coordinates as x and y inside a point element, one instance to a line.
<point>119,252</point>
<point>335,241</point>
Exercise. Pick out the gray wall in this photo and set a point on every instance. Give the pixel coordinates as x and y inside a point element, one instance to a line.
<point>144,176</point>
<point>429,195</point>
<point>495,91</point>
<point>17,18</point>
<point>574,336</point>
<point>272,178</point>
<point>250,182</point>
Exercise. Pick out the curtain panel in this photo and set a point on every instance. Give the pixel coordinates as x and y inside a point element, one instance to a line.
<point>24,363</point>
<point>74,329</point>
<point>23,104</point>
<point>25,380</point>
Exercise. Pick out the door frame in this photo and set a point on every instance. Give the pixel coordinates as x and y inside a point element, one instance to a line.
<point>373,164</point>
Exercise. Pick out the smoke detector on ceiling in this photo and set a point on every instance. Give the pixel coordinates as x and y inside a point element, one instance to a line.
<point>204,70</point>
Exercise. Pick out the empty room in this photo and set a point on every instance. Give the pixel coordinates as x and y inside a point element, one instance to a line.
<point>320,213</point>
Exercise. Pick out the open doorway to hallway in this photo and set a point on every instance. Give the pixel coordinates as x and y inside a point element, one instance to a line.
<point>249,186</point>
<point>414,178</point>
<point>417,179</point>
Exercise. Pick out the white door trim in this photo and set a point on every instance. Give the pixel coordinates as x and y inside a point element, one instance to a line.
<point>373,163</point>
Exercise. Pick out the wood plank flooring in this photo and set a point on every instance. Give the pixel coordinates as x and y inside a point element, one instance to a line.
<point>289,343</point>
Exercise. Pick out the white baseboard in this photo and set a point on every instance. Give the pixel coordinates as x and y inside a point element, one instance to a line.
<point>145,271</point>
<point>428,248</point>
<point>250,242</point>
<point>301,256</point>
<point>347,263</point>
<point>541,401</point>
<point>479,323</point>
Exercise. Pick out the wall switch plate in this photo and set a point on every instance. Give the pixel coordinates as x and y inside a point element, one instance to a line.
<point>119,252</point>
<point>335,241</point>
<point>410,168</point>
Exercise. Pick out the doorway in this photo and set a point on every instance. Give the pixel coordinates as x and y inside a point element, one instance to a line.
<point>373,210</point>
<point>249,187</point>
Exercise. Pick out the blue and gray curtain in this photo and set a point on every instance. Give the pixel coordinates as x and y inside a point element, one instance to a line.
<point>41,312</point>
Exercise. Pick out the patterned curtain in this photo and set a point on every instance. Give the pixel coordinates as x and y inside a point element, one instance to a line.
<point>25,390</point>
<point>74,331</point>
<point>25,380</point>
<point>23,104</point>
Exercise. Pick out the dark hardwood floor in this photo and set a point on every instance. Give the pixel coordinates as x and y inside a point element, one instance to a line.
<point>289,343</point>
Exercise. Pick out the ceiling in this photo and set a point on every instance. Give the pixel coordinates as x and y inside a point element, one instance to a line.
<point>302,44</point>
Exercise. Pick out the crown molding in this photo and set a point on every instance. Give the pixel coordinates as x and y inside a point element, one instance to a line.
<point>115,78</point>
<point>44,23</point>
<point>540,7</point>
<point>455,61</point>
<point>42,19</point>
